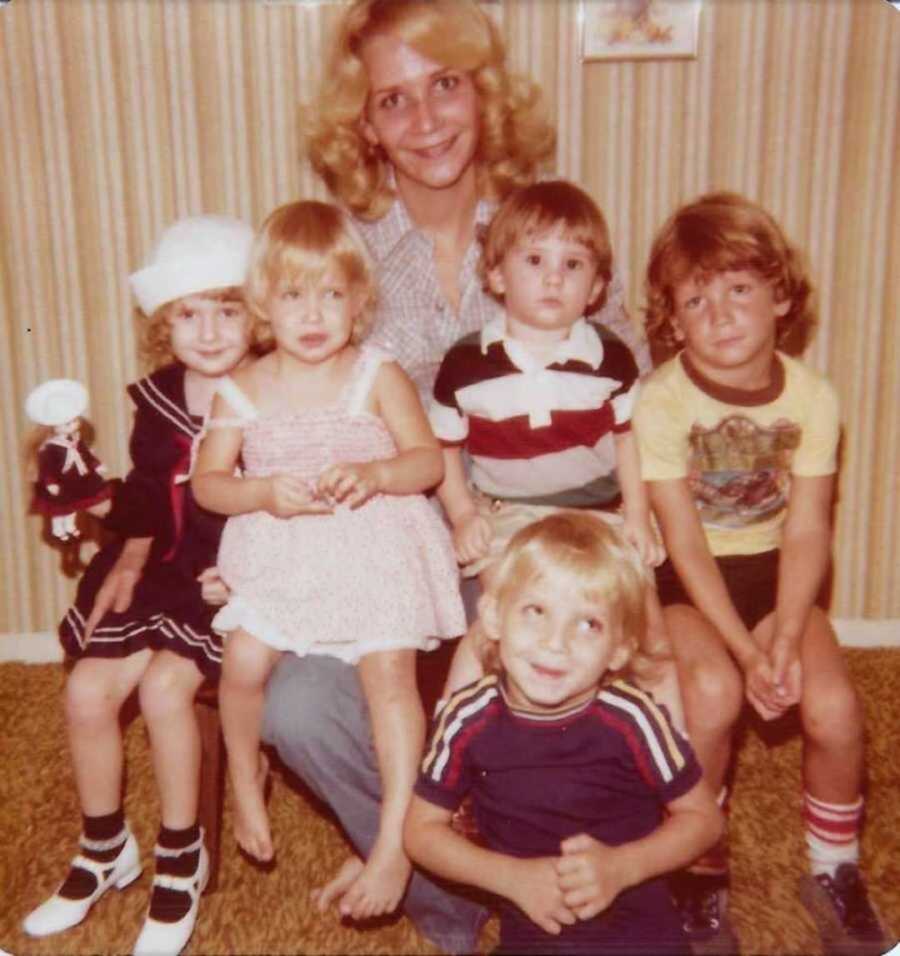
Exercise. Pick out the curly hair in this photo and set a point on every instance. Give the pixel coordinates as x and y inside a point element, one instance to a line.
<point>515,138</point>
<point>543,207</point>
<point>155,331</point>
<point>722,232</point>
<point>595,556</point>
<point>297,243</point>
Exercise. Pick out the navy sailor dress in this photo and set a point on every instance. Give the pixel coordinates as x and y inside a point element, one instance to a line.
<point>155,500</point>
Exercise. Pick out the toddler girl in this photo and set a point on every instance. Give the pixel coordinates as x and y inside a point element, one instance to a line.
<point>331,549</point>
<point>139,618</point>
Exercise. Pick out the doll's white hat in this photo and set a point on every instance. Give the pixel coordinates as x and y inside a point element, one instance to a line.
<point>56,401</point>
<point>194,255</point>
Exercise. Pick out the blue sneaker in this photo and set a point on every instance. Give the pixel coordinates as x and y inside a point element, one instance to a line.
<point>843,914</point>
<point>702,902</point>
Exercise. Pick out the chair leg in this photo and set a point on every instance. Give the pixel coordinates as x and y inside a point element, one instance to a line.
<point>212,784</point>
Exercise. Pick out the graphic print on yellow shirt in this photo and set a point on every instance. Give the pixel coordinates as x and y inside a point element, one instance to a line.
<point>739,471</point>
<point>738,450</point>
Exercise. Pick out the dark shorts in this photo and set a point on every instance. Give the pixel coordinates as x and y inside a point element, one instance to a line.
<point>751,579</point>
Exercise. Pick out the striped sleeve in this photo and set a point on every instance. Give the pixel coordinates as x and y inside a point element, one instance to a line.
<point>664,759</point>
<point>619,363</point>
<point>449,423</point>
<point>446,773</point>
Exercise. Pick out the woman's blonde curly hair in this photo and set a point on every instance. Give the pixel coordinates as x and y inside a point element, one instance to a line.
<point>515,138</point>
<point>725,232</point>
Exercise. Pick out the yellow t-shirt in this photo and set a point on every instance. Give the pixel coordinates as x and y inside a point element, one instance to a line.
<point>737,449</point>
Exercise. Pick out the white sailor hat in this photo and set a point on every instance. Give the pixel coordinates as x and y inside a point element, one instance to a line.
<point>56,401</point>
<point>194,255</point>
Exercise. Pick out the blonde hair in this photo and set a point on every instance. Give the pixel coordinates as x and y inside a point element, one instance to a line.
<point>515,138</point>
<point>544,207</point>
<point>300,241</point>
<point>594,555</point>
<point>724,232</point>
<point>155,331</point>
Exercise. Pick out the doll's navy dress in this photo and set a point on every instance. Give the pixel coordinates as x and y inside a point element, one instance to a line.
<point>155,500</point>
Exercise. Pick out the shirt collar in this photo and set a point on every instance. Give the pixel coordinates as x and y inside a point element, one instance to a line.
<point>582,344</point>
<point>64,441</point>
<point>396,224</point>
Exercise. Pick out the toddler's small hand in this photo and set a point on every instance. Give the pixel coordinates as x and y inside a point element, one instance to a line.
<point>290,495</point>
<point>349,483</point>
<point>472,538</point>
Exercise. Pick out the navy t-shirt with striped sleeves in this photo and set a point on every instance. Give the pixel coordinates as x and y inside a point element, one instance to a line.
<point>607,768</point>
<point>538,432</point>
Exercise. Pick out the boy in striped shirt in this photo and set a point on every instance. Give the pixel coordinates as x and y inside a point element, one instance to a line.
<point>583,793</point>
<point>540,399</point>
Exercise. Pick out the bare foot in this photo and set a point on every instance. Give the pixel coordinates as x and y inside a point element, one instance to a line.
<point>380,885</point>
<point>251,822</point>
<point>338,885</point>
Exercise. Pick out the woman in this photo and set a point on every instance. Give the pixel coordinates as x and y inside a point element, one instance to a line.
<point>419,130</point>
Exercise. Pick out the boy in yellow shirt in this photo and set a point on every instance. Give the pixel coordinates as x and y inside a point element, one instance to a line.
<point>738,443</point>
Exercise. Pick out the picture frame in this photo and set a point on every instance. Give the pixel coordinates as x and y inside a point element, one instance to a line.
<point>638,29</point>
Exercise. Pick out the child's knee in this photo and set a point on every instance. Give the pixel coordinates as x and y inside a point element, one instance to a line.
<point>246,662</point>
<point>392,672</point>
<point>167,690</point>
<point>90,697</point>
<point>712,688</point>
<point>833,715</point>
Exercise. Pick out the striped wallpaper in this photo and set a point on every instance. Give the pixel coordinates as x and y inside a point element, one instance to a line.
<point>116,117</point>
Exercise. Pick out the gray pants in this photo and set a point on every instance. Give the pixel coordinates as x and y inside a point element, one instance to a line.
<point>317,719</point>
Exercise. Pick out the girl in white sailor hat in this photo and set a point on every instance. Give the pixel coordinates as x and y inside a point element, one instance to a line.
<point>140,619</point>
<point>70,478</point>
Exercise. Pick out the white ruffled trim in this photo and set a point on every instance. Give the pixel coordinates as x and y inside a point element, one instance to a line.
<point>239,613</point>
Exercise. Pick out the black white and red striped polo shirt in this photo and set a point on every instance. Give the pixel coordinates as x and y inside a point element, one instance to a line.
<point>538,433</point>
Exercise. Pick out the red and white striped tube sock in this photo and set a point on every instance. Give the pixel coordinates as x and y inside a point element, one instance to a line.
<point>832,833</point>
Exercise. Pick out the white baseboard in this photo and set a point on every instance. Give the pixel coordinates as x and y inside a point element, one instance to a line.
<point>40,647</point>
<point>43,647</point>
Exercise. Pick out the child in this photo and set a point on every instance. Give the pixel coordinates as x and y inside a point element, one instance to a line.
<point>540,398</point>
<point>139,618</point>
<point>583,792</point>
<point>738,442</point>
<point>331,548</point>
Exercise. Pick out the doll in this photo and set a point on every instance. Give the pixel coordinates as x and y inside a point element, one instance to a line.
<point>70,478</point>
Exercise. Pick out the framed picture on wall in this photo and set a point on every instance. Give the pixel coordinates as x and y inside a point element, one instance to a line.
<point>638,29</point>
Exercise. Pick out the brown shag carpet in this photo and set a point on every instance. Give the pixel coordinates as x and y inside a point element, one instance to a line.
<point>270,912</point>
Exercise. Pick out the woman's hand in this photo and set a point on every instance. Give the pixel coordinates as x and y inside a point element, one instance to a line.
<point>290,495</point>
<point>213,589</point>
<point>350,483</point>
